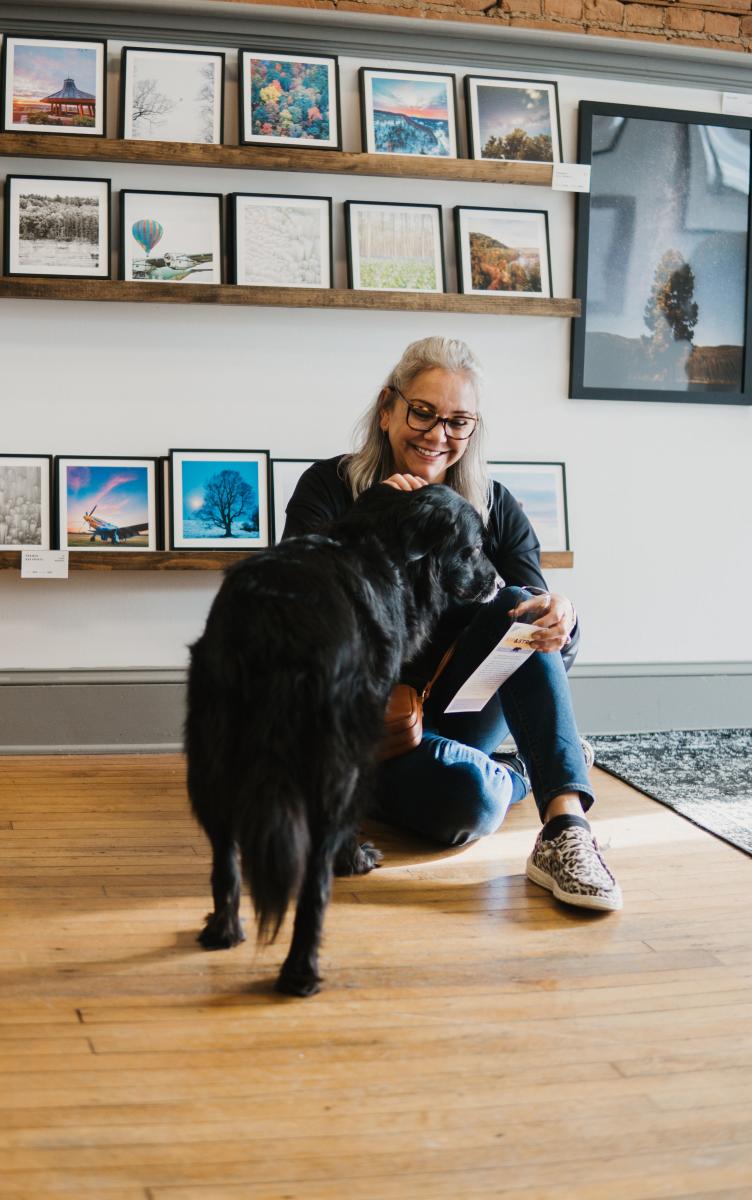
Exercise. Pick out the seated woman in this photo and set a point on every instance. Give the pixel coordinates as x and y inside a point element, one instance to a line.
<point>424,427</point>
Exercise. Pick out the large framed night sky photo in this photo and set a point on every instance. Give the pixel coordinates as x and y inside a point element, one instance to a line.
<point>662,257</point>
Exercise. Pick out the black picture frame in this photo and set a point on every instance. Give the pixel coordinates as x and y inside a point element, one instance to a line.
<point>557,492</point>
<point>182,269</point>
<point>10,237</point>
<point>353,270</point>
<point>247,138</point>
<point>172,51</point>
<point>208,544</point>
<point>233,239</point>
<point>60,511</point>
<point>653,256</point>
<point>464,275</point>
<point>277,493</point>
<point>368,133</point>
<point>68,131</point>
<point>44,462</point>
<point>471,109</point>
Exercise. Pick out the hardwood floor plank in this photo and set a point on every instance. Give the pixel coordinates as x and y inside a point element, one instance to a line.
<point>464,1009</point>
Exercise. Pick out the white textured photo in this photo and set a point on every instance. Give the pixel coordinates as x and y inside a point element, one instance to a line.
<point>283,241</point>
<point>172,96</point>
<point>24,504</point>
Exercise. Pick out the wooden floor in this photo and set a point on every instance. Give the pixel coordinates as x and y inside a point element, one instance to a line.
<point>474,1038</point>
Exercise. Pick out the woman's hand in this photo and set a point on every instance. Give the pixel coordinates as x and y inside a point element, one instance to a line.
<point>405,483</point>
<point>556,623</point>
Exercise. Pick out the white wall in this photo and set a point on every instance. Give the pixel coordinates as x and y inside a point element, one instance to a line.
<point>660,495</point>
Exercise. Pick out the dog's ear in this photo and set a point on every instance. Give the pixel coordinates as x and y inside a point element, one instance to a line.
<point>428,519</point>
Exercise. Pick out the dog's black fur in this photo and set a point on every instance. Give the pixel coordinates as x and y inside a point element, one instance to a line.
<point>287,691</point>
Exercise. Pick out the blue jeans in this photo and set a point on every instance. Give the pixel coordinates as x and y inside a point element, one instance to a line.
<point>448,788</point>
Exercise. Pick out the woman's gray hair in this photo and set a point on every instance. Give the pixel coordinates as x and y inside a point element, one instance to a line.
<point>372,459</point>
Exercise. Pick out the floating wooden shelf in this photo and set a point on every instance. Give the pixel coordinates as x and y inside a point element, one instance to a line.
<point>275,158</point>
<point>187,560</point>
<point>34,288</point>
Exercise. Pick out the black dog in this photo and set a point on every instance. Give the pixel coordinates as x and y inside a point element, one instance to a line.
<point>287,692</point>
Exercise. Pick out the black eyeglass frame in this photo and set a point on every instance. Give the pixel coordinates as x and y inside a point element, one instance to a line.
<point>437,420</point>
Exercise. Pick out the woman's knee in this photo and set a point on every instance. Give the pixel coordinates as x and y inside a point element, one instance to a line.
<point>475,800</point>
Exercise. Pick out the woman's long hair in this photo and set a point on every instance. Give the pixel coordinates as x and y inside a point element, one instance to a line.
<point>372,460</point>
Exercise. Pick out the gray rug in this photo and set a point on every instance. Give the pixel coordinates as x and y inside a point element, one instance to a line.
<point>704,774</point>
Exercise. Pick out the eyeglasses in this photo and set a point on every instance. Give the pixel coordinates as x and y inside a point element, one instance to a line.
<point>423,417</point>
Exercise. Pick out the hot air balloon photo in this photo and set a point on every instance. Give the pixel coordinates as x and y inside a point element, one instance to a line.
<point>171,237</point>
<point>147,234</point>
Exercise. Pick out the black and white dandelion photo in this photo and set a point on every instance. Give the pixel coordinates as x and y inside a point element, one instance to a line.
<point>24,503</point>
<point>57,226</point>
<point>172,95</point>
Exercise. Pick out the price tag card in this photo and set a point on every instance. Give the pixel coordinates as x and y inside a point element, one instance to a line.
<point>737,104</point>
<point>571,177</point>
<point>503,661</point>
<point>44,564</point>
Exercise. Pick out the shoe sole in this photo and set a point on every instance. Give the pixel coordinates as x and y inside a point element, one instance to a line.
<point>602,903</point>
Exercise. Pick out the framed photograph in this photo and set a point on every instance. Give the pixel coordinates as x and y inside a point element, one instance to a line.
<point>503,251</point>
<point>172,95</point>
<point>513,119</point>
<point>289,100</point>
<point>171,237</point>
<point>219,500</point>
<point>286,473</point>
<point>53,85</point>
<point>394,247</point>
<point>281,241</point>
<point>107,503</point>
<point>540,489</point>
<point>662,257</point>
<point>408,112</point>
<point>57,226</point>
<point>25,501</point>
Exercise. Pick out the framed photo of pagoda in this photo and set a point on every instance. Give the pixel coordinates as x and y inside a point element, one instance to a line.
<point>53,85</point>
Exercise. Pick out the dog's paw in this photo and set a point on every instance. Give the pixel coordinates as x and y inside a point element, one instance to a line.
<point>354,859</point>
<point>298,983</point>
<point>219,933</point>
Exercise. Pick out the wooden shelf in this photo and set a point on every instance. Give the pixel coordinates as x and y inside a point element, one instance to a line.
<point>34,288</point>
<point>274,158</point>
<point>189,560</point>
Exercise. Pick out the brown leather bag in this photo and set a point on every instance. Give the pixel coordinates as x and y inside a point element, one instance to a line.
<point>403,720</point>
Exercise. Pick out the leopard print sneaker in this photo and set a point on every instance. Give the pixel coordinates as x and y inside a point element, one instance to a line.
<point>571,866</point>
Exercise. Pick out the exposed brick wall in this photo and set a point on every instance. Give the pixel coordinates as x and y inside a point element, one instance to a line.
<point>721,24</point>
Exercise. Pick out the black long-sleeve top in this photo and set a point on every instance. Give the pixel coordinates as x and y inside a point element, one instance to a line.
<point>510,542</point>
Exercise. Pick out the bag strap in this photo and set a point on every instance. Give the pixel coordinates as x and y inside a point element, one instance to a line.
<point>444,660</point>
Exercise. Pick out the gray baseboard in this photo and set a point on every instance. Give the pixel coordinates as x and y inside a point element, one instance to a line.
<point>141,711</point>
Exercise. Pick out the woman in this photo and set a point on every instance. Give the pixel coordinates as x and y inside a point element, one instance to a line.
<point>425,427</point>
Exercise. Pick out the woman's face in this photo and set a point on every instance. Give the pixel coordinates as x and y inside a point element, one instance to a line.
<point>428,453</point>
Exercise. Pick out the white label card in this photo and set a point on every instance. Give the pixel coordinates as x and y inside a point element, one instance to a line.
<point>571,177</point>
<point>44,564</point>
<point>737,104</point>
<point>500,664</point>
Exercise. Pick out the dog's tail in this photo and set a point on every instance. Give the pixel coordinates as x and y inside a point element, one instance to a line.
<point>274,842</point>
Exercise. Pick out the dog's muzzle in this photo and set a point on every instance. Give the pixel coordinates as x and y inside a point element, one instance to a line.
<point>498,585</point>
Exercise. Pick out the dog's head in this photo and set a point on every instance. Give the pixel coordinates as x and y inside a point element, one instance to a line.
<point>432,530</point>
